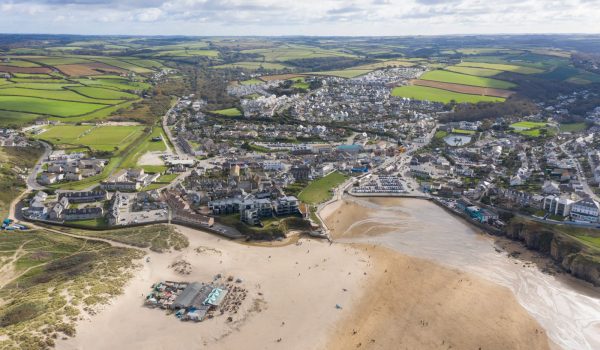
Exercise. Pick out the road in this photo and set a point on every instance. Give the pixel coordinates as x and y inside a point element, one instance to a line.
<point>167,131</point>
<point>32,183</point>
<point>580,173</point>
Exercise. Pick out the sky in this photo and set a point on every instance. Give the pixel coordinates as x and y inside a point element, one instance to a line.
<point>299,17</point>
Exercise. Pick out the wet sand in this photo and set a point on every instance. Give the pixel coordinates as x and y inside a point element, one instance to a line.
<point>416,304</point>
<point>567,309</point>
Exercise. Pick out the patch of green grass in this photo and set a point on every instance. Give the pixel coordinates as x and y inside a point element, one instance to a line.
<point>56,61</point>
<point>40,86</point>
<point>252,82</point>
<point>527,125</point>
<point>480,72</point>
<point>502,67</point>
<point>188,53</point>
<point>594,241</point>
<point>318,191</point>
<point>346,73</point>
<point>16,119</point>
<point>464,132</point>
<point>229,112</point>
<point>103,94</point>
<point>294,52</point>
<point>464,79</point>
<point>573,127</point>
<point>62,95</point>
<point>122,64</point>
<point>440,134</point>
<point>147,145</point>
<point>252,66</point>
<point>439,95</point>
<point>47,107</point>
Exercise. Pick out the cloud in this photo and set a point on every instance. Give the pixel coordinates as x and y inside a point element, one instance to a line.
<point>285,17</point>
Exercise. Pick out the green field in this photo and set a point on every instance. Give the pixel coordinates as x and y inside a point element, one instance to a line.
<point>253,65</point>
<point>463,132</point>
<point>100,93</point>
<point>252,82</point>
<point>40,86</point>
<point>18,119</point>
<point>502,67</point>
<point>47,107</point>
<point>439,95</point>
<point>104,138</point>
<point>525,125</point>
<point>62,95</point>
<point>480,72</point>
<point>147,145</point>
<point>115,84</point>
<point>319,190</point>
<point>20,63</point>
<point>295,52</point>
<point>229,112</point>
<point>457,78</point>
<point>188,53</point>
<point>56,61</point>
<point>346,73</point>
<point>123,65</point>
<point>573,127</point>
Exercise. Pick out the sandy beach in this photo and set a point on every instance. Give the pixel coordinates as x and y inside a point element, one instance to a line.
<point>566,308</point>
<point>293,292</point>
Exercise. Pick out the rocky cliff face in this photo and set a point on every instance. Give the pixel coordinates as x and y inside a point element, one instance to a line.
<point>576,258</point>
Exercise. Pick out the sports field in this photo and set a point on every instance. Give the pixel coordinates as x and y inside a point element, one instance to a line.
<point>464,79</point>
<point>97,138</point>
<point>229,112</point>
<point>439,95</point>
<point>525,125</point>
<point>502,67</point>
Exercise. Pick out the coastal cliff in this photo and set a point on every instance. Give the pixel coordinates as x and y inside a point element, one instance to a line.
<point>574,256</point>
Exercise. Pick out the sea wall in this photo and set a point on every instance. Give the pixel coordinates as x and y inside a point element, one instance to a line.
<point>572,255</point>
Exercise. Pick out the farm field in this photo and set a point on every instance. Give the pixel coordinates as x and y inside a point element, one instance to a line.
<point>346,73</point>
<point>229,112</point>
<point>439,95</point>
<point>100,93</point>
<point>280,77</point>
<point>187,53</point>
<point>253,65</point>
<point>463,79</point>
<point>251,82</point>
<point>387,64</point>
<point>47,107</point>
<point>480,72</point>
<point>464,89</point>
<point>63,95</point>
<point>16,119</point>
<point>295,52</point>
<point>502,67</point>
<point>318,191</point>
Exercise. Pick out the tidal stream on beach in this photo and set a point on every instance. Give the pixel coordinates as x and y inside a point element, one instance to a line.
<point>569,310</point>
